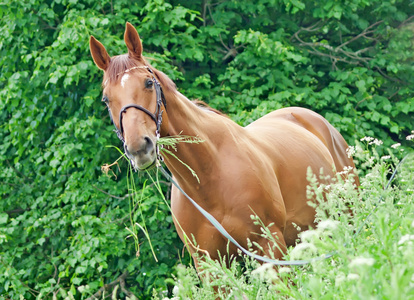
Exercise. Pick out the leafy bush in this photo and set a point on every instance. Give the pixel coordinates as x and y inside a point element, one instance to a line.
<point>62,221</point>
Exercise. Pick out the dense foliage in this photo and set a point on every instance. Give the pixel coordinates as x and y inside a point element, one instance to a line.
<point>62,220</point>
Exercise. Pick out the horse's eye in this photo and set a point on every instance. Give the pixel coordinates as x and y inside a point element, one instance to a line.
<point>148,83</point>
<point>105,99</point>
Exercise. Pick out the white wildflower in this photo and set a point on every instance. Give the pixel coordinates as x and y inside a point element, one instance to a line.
<point>410,137</point>
<point>371,160</point>
<point>367,139</point>
<point>353,276</point>
<point>302,249</point>
<point>175,290</point>
<point>285,270</point>
<point>266,272</point>
<point>376,142</point>
<point>342,173</point>
<point>361,262</point>
<point>346,170</point>
<point>385,157</point>
<point>327,225</point>
<point>395,146</point>
<point>408,238</point>
<point>350,151</point>
<point>307,236</point>
<point>339,280</point>
<point>263,268</point>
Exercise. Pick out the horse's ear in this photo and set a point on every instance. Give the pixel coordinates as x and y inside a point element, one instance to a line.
<point>99,54</point>
<point>133,42</point>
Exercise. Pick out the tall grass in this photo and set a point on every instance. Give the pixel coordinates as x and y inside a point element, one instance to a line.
<point>370,231</point>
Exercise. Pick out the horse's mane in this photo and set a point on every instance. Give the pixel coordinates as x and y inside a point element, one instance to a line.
<point>120,63</point>
<point>205,106</point>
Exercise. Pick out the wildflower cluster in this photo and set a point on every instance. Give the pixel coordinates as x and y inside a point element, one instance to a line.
<point>371,141</point>
<point>361,227</point>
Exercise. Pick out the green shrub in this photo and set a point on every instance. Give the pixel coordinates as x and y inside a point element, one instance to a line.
<point>62,221</point>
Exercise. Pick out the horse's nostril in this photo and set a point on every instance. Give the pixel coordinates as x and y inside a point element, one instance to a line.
<point>149,145</point>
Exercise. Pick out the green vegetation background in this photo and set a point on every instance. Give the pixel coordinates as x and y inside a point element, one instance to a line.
<point>62,221</point>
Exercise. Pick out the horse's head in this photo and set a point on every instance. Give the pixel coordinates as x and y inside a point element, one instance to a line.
<point>134,98</point>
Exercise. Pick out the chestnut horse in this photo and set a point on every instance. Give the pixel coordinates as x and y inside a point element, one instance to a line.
<point>260,168</point>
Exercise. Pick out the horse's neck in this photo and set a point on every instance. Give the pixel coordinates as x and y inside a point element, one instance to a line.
<point>185,118</point>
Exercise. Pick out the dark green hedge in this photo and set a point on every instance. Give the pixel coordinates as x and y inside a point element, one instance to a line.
<point>62,221</point>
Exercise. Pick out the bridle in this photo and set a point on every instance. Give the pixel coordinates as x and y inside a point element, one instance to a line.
<point>156,116</point>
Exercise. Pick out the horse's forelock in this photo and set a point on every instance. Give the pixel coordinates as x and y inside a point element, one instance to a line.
<point>119,64</point>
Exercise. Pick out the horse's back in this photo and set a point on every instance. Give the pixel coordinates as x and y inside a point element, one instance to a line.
<point>318,126</point>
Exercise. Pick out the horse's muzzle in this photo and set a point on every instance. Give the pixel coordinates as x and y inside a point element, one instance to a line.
<point>142,155</point>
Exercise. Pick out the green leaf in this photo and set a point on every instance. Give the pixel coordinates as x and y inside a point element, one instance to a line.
<point>361,85</point>
<point>41,241</point>
<point>3,218</point>
<point>394,128</point>
<point>54,163</point>
<point>76,280</point>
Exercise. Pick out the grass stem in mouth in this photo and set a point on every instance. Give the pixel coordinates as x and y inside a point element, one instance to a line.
<point>171,142</point>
